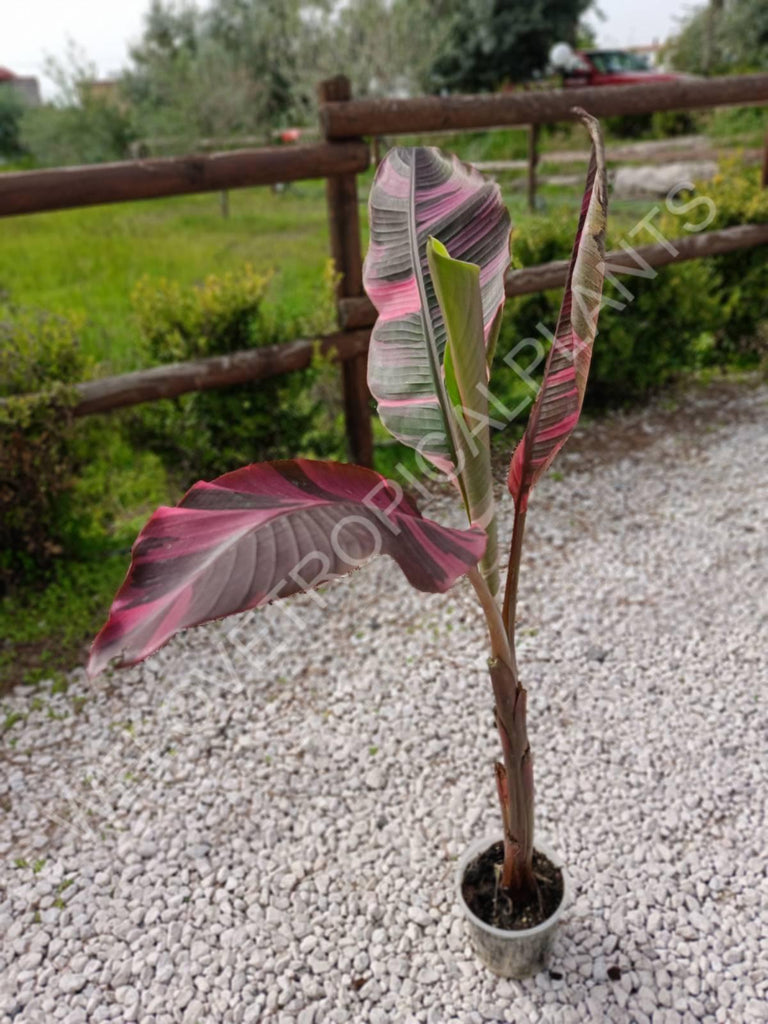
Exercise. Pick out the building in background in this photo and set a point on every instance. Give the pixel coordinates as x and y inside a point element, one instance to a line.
<point>26,87</point>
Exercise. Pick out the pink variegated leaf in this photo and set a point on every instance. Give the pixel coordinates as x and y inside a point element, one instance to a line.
<point>560,398</point>
<point>268,531</point>
<point>419,193</point>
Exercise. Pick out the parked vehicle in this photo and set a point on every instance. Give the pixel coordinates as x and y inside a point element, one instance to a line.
<point>581,68</point>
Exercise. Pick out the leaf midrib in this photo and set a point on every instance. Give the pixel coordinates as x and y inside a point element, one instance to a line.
<point>434,359</point>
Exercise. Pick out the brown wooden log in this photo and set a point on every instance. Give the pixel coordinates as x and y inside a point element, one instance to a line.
<point>344,222</point>
<point>533,160</point>
<point>351,345</point>
<point>62,188</point>
<point>175,379</point>
<point>360,312</point>
<point>454,113</point>
<point>689,247</point>
<point>356,312</point>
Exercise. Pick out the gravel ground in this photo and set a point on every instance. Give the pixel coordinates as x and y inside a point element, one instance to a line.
<point>261,822</point>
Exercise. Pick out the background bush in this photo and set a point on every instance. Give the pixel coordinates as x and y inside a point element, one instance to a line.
<point>93,132</point>
<point>38,460</point>
<point>207,433</point>
<point>11,110</point>
<point>662,124</point>
<point>742,276</point>
<point>698,314</point>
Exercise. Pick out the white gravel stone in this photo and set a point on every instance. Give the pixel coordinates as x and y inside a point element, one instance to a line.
<point>419,916</point>
<point>261,822</point>
<point>69,984</point>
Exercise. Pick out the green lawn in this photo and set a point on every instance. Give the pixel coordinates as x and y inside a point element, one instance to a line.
<point>89,260</point>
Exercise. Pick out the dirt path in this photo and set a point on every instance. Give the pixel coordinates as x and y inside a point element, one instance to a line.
<point>660,151</point>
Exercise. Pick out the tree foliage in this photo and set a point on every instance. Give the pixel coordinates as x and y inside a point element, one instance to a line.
<point>81,126</point>
<point>720,38</point>
<point>227,69</point>
<point>234,67</point>
<point>249,66</point>
<point>497,41</point>
<point>11,111</point>
<point>387,47</point>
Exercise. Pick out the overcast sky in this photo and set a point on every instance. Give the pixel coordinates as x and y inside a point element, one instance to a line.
<point>103,29</point>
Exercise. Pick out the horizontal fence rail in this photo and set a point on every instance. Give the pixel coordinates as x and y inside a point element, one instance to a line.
<point>67,187</point>
<point>357,313</point>
<point>174,379</point>
<point>460,113</point>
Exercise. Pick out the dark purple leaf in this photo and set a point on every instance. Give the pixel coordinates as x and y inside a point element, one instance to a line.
<point>264,532</point>
<point>558,403</point>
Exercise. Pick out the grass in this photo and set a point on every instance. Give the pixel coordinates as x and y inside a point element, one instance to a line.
<point>46,631</point>
<point>46,628</point>
<point>88,261</point>
<point>745,126</point>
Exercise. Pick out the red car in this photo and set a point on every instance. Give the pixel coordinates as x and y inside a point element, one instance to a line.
<point>612,67</point>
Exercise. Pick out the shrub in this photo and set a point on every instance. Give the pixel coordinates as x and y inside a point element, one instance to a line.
<point>742,275</point>
<point>723,122</point>
<point>662,124</point>
<point>203,433</point>
<point>39,353</point>
<point>629,126</point>
<point>11,109</point>
<point>91,133</point>
<point>667,326</point>
<point>702,313</point>
<point>666,124</point>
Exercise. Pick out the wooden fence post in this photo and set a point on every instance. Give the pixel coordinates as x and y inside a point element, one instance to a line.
<point>764,175</point>
<point>533,159</point>
<point>341,194</point>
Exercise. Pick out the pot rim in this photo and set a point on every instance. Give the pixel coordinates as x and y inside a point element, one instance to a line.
<point>505,933</point>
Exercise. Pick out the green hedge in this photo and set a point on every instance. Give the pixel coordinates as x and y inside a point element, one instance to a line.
<point>701,313</point>
<point>84,487</point>
<point>207,433</point>
<point>737,197</point>
<point>65,483</point>
<point>38,458</point>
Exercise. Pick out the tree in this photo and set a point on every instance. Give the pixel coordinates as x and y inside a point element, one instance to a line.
<point>266,40</point>
<point>720,38</point>
<point>250,66</point>
<point>80,126</point>
<point>497,41</point>
<point>11,111</point>
<point>385,47</point>
<point>237,66</point>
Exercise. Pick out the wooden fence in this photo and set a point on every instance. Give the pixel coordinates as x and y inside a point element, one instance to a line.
<point>339,159</point>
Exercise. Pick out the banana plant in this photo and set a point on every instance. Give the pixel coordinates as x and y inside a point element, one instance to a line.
<point>439,251</point>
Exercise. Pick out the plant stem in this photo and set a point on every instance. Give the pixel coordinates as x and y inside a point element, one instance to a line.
<point>514,778</point>
<point>500,649</point>
<point>514,782</point>
<point>513,578</point>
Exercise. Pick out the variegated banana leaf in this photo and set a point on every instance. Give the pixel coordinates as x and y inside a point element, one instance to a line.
<point>558,403</point>
<point>265,532</point>
<point>465,367</point>
<point>419,193</point>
